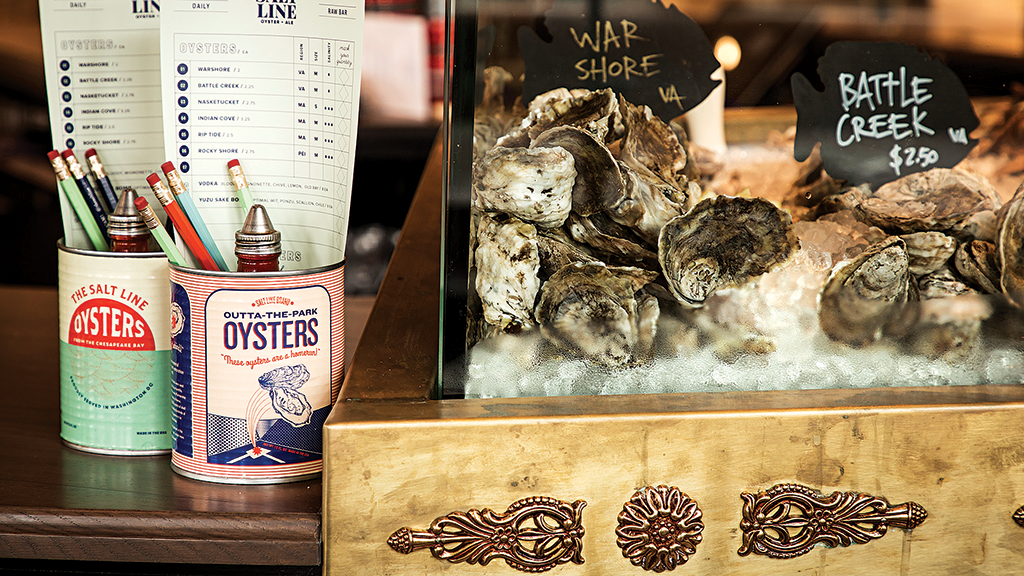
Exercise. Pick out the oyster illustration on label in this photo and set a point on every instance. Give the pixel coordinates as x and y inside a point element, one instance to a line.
<point>282,383</point>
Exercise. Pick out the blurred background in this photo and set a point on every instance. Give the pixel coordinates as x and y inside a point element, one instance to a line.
<point>760,43</point>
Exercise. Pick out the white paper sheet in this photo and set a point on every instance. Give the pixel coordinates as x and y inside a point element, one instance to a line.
<point>101,61</point>
<point>274,84</point>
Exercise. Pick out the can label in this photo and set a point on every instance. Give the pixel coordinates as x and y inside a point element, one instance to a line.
<point>256,367</point>
<point>114,353</point>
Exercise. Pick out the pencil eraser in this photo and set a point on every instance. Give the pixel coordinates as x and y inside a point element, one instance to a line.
<point>90,152</point>
<point>152,179</point>
<point>67,153</point>
<point>140,203</point>
<point>52,154</point>
<point>167,167</point>
<point>232,163</point>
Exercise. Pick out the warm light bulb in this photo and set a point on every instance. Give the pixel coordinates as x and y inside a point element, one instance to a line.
<point>727,51</point>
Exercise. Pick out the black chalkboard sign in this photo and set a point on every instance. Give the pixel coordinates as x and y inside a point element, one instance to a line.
<point>888,110</point>
<point>650,53</point>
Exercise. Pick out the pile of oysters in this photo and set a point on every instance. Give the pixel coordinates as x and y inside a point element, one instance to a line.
<point>594,227</point>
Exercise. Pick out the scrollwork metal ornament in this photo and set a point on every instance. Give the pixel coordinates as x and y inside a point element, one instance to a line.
<point>659,528</point>
<point>788,520</point>
<point>534,534</point>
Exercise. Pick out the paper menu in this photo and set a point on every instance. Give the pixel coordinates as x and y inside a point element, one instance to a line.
<point>102,68</point>
<point>274,84</point>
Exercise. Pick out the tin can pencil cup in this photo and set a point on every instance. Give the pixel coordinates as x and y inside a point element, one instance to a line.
<point>257,362</point>
<point>114,311</point>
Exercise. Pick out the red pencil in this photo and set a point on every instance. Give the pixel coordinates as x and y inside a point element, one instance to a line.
<point>181,223</point>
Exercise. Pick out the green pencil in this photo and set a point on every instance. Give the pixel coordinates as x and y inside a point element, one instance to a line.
<point>157,229</point>
<point>74,195</point>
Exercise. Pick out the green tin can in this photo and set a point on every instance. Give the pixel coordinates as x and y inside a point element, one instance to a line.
<point>114,311</point>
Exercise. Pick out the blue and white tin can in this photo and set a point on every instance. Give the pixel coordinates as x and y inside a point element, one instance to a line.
<point>257,361</point>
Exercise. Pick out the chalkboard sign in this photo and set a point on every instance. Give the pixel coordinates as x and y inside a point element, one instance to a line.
<point>649,53</point>
<point>888,110</point>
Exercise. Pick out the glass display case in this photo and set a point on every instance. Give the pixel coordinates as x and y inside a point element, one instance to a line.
<point>816,400</point>
<point>610,228</point>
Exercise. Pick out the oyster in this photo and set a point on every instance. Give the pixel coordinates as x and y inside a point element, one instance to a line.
<point>941,284</point>
<point>598,184</point>
<point>940,199</point>
<point>978,263</point>
<point>496,79</point>
<point>722,243</point>
<point>928,251</point>
<point>1011,248</point>
<point>557,249</point>
<point>591,111</point>
<point>649,203</point>
<point>863,294</point>
<point>948,327</point>
<point>651,147</point>
<point>507,263</point>
<point>532,184</point>
<point>609,238</point>
<point>598,312</point>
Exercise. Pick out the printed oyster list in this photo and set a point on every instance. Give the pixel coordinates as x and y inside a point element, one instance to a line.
<point>102,68</point>
<point>273,85</point>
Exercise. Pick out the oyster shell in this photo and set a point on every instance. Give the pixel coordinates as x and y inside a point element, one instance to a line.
<point>591,111</point>
<point>532,184</point>
<point>557,249</point>
<point>609,238</point>
<point>939,199</point>
<point>722,243</point>
<point>949,327</point>
<point>651,203</point>
<point>978,263</point>
<point>863,294</point>
<point>651,147</point>
<point>507,263</point>
<point>598,184</point>
<point>928,251</point>
<point>597,312</point>
<point>1011,248</point>
<point>941,283</point>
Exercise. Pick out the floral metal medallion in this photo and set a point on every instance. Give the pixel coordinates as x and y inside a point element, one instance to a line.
<point>1018,516</point>
<point>659,528</point>
<point>534,534</point>
<point>788,520</point>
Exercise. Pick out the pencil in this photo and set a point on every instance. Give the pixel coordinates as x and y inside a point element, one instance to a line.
<point>74,196</point>
<point>181,223</point>
<point>241,185</point>
<point>181,195</point>
<point>109,195</point>
<point>85,187</point>
<point>162,238</point>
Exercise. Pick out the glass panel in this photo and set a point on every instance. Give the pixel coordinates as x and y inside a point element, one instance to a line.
<point>605,234</point>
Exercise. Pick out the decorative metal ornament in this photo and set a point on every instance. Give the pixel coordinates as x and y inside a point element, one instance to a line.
<point>659,528</point>
<point>1018,516</point>
<point>788,520</point>
<point>534,534</point>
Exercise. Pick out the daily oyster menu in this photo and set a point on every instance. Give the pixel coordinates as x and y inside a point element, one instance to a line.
<point>102,68</point>
<point>275,85</point>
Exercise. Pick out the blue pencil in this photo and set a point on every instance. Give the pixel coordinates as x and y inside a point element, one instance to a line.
<point>181,195</point>
<point>109,195</point>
